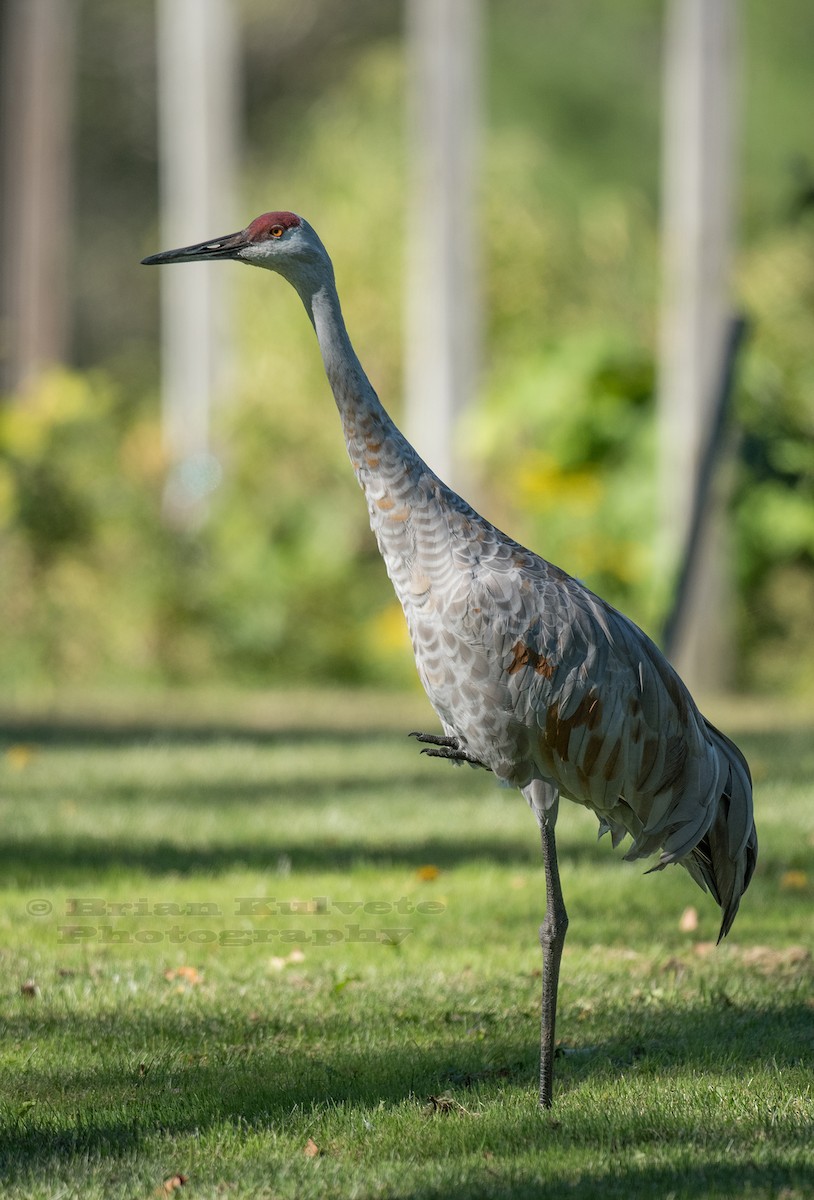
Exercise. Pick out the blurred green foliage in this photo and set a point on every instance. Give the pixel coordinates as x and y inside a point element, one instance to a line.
<point>282,580</point>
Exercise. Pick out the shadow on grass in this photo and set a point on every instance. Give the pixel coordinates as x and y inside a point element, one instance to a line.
<point>258,1075</point>
<point>51,861</point>
<point>774,1176</point>
<point>122,734</point>
<point>297,791</point>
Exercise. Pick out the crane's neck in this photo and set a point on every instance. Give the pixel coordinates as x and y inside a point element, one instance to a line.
<point>348,381</point>
<point>367,426</point>
<point>415,518</point>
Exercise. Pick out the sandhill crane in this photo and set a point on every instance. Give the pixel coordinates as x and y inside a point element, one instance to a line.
<point>532,676</point>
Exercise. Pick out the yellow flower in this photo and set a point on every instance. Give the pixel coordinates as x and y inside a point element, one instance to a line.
<point>19,756</point>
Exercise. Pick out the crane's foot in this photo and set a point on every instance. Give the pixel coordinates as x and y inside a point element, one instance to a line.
<point>439,746</point>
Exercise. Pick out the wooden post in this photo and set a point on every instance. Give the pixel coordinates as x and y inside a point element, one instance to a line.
<point>197,73</point>
<point>37,106</point>
<point>696,313</point>
<point>441,359</point>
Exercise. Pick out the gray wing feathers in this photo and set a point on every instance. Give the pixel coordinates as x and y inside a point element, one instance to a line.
<point>619,732</point>
<point>725,857</point>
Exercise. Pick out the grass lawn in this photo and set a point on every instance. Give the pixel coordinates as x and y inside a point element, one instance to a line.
<point>350,1006</point>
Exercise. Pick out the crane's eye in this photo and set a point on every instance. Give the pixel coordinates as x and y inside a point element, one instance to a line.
<point>276,231</point>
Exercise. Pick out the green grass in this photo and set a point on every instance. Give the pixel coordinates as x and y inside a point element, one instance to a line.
<point>686,1071</point>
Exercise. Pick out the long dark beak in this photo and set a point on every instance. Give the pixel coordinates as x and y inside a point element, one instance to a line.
<point>218,248</point>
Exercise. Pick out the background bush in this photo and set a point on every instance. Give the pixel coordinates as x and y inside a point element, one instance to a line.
<point>283,580</point>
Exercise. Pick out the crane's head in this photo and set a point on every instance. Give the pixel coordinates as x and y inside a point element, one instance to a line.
<point>279,241</point>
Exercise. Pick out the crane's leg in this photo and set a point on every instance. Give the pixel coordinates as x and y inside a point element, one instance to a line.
<point>544,799</point>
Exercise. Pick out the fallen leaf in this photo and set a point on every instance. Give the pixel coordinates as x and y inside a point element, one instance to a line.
<point>702,949</point>
<point>584,1009</point>
<point>311,1149</point>
<point>188,975</point>
<point>793,881</point>
<point>427,873</point>
<point>19,756</point>
<point>173,1184</point>
<point>279,964</point>
<point>689,920</point>
<point>445,1104</point>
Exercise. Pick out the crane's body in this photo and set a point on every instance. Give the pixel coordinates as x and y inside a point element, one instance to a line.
<point>532,676</point>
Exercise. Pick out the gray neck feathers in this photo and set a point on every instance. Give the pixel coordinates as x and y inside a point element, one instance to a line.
<point>349,384</point>
<point>364,420</point>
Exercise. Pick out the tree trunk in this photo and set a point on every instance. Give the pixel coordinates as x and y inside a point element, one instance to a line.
<point>443,40</point>
<point>37,72</point>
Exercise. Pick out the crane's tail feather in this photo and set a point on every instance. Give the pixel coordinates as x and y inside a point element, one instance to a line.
<point>724,859</point>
